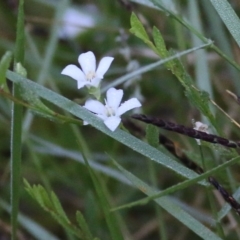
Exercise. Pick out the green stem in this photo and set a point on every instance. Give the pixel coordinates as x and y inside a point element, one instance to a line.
<point>211,200</point>
<point>16,126</point>
<point>16,133</point>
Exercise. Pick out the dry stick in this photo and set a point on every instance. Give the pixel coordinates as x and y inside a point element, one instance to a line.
<point>185,160</point>
<point>170,146</point>
<point>190,132</point>
<point>228,197</point>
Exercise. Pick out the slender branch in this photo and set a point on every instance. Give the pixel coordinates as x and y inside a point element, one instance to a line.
<point>190,132</point>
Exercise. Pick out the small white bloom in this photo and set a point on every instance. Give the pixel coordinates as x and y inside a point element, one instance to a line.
<point>88,76</point>
<point>110,112</point>
<point>75,20</point>
<point>200,127</point>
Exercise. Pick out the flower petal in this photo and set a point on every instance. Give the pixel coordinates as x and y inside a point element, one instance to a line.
<point>95,107</point>
<point>112,122</point>
<point>95,81</point>
<point>103,66</point>
<point>114,97</point>
<point>87,62</point>
<point>128,105</point>
<point>82,84</point>
<point>74,72</point>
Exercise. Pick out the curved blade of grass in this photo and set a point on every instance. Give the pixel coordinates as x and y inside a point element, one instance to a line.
<point>172,208</point>
<point>178,186</point>
<point>46,147</point>
<point>229,17</point>
<point>119,135</point>
<point>151,66</point>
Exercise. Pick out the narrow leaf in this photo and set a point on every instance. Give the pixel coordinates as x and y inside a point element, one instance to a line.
<point>58,207</point>
<point>152,134</point>
<point>229,17</point>
<point>83,225</point>
<point>138,30</point>
<point>4,65</point>
<point>119,135</point>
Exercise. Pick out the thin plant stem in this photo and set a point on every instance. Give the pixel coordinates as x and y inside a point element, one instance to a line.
<point>16,127</point>
<point>211,200</point>
<point>159,211</point>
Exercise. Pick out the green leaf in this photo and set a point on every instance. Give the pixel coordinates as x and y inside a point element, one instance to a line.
<point>4,65</point>
<point>197,98</point>
<point>34,100</point>
<point>200,99</point>
<point>160,43</point>
<point>138,30</point>
<point>52,206</point>
<point>83,225</point>
<point>58,207</point>
<point>152,135</point>
<point>38,107</point>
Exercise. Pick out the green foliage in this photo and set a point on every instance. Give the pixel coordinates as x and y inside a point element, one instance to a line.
<point>51,204</point>
<point>152,135</point>
<point>16,124</point>
<point>229,17</point>
<point>103,198</point>
<point>4,66</point>
<point>138,29</point>
<point>119,135</point>
<point>195,96</point>
<point>167,204</point>
<point>73,160</point>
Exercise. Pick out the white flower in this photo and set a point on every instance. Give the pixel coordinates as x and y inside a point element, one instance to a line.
<point>89,76</point>
<point>110,112</point>
<point>200,127</point>
<point>74,21</point>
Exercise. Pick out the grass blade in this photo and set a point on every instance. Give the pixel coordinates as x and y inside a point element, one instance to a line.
<point>119,135</point>
<point>229,17</point>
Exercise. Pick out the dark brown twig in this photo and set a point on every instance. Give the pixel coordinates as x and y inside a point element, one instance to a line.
<point>190,132</point>
<point>228,197</point>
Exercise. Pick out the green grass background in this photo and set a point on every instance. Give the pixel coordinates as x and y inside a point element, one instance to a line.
<point>92,170</point>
